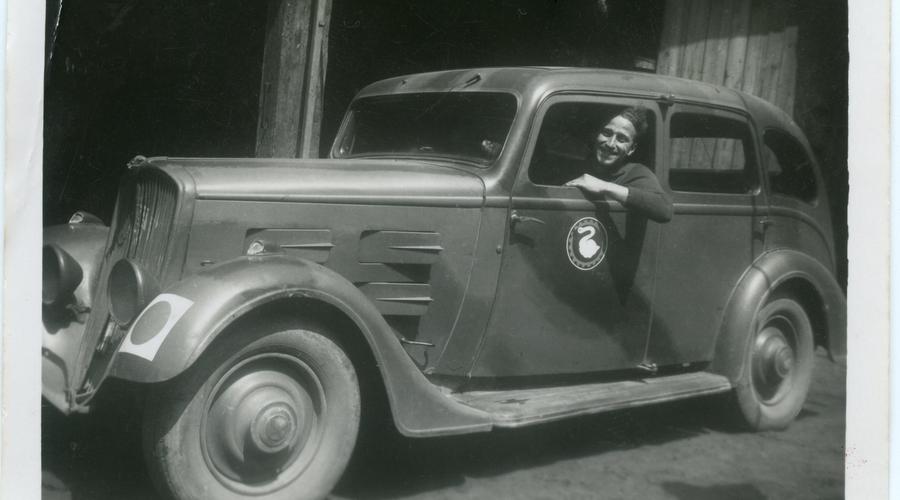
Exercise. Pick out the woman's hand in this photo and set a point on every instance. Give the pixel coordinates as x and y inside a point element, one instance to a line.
<point>598,187</point>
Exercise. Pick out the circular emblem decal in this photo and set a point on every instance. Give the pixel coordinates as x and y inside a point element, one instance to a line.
<point>586,243</point>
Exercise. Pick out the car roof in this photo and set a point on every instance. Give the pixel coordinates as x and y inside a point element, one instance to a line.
<point>533,82</point>
<point>527,80</point>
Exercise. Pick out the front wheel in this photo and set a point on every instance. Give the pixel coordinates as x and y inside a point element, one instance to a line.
<point>258,416</point>
<point>778,366</point>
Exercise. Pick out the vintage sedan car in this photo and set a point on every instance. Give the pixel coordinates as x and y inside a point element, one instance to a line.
<point>437,255</point>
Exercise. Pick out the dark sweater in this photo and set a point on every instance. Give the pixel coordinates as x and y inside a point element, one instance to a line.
<point>645,195</point>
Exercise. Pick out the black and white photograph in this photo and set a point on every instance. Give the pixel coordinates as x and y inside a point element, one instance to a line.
<point>401,249</point>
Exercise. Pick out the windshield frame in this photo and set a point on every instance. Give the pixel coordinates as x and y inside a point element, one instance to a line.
<point>347,123</point>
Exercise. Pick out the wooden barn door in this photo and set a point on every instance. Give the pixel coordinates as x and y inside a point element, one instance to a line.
<point>748,45</point>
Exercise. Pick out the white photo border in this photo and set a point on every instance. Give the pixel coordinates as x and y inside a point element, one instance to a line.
<point>870,227</point>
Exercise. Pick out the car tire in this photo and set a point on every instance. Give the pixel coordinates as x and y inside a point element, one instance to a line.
<point>259,415</point>
<point>776,376</point>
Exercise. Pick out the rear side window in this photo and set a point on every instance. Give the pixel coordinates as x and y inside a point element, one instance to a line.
<point>788,166</point>
<point>710,154</point>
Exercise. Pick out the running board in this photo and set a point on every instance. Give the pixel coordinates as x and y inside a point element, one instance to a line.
<point>523,407</point>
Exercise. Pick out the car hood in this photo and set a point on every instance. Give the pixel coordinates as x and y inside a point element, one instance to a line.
<point>401,182</point>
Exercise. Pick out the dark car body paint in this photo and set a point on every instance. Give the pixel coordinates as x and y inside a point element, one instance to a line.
<point>387,182</point>
<point>770,271</point>
<point>225,292</point>
<point>443,275</point>
<point>325,209</point>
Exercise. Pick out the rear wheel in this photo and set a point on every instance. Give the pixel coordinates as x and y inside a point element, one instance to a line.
<point>272,415</point>
<point>778,366</point>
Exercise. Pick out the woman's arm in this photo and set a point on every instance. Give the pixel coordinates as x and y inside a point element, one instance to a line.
<point>598,187</point>
<point>654,204</point>
<point>640,192</point>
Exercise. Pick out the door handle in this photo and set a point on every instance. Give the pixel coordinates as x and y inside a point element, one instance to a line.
<point>764,224</point>
<point>515,218</point>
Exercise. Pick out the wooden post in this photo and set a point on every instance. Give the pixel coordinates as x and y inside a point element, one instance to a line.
<point>293,79</point>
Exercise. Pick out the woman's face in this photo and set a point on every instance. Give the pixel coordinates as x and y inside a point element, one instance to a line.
<point>615,142</point>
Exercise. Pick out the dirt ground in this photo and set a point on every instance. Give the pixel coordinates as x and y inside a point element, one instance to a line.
<point>674,451</point>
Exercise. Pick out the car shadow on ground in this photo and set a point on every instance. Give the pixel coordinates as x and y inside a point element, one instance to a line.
<point>93,456</point>
<point>387,465</point>
<point>98,456</point>
<point>684,491</point>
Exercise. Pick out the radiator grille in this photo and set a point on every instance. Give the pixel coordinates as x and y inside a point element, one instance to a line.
<point>141,231</point>
<point>153,210</point>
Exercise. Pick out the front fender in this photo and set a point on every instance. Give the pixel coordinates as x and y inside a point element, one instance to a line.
<point>767,274</point>
<point>176,328</point>
<point>63,327</point>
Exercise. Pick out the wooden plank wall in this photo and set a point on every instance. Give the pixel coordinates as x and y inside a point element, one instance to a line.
<point>749,45</point>
<point>293,79</point>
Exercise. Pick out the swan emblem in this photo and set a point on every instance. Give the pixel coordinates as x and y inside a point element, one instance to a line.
<point>586,243</point>
<point>587,247</point>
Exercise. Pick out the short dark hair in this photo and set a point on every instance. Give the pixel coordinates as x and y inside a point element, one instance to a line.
<point>638,116</point>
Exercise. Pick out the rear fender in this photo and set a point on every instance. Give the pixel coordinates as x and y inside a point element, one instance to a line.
<point>175,329</point>
<point>63,325</point>
<point>770,272</point>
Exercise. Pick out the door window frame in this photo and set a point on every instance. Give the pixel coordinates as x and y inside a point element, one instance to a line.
<point>524,188</point>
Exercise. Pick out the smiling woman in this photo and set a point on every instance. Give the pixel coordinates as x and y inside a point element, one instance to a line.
<point>608,161</point>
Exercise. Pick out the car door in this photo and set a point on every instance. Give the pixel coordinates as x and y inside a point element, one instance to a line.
<point>715,234</point>
<point>576,277</point>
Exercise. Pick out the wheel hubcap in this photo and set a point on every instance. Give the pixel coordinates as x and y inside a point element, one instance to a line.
<point>262,423</point>
<point>273,428</point>
<point>774,359</point>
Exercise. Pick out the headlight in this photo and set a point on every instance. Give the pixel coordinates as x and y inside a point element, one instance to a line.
<point>61,275</point>
<point>130,290</point>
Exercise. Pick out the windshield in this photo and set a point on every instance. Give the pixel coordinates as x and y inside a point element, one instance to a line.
<point>469,126</point>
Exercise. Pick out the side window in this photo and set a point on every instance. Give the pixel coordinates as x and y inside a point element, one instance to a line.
<point>788,166</point>
<point>711,154</point>
<point>565,143</point>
